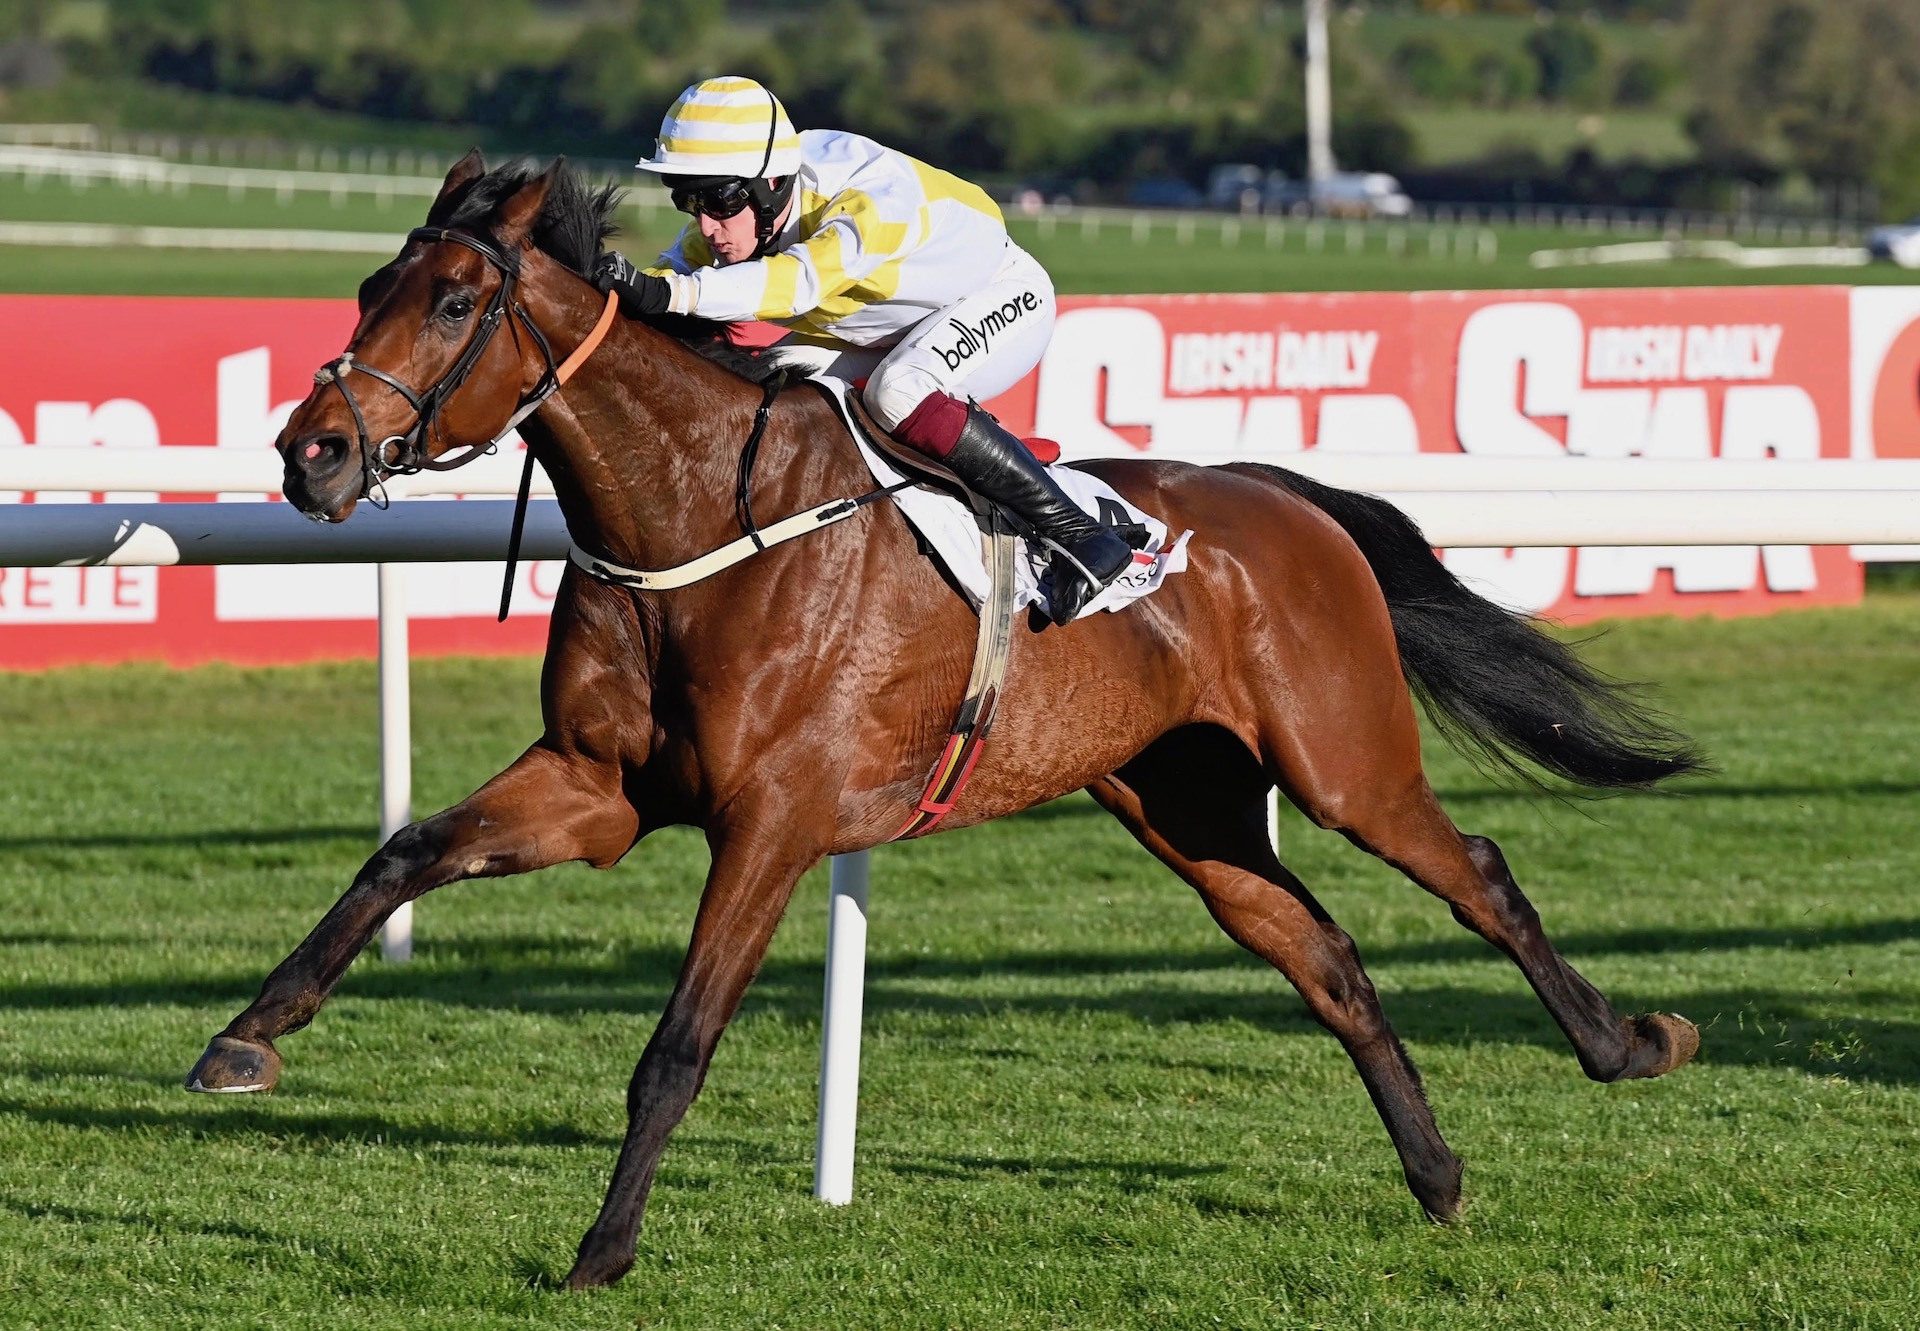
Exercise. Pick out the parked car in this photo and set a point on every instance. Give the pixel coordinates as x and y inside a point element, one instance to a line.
<point>1344,194</point>
<point>1236,187</point>
<point>1899,243</point>
<point>1048,191</point>
<point>1163,192</point>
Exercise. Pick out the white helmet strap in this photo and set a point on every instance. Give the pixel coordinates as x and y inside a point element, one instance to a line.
<point>773,124</point>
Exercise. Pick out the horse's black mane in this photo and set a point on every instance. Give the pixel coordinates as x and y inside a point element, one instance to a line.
<point>574,226</point>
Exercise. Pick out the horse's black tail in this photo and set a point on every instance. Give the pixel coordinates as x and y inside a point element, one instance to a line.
<point>1493,682</point>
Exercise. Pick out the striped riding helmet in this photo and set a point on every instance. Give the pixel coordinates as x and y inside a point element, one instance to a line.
<point>726,126</point>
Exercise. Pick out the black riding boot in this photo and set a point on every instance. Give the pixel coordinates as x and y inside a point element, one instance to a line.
<point>1086,555</point>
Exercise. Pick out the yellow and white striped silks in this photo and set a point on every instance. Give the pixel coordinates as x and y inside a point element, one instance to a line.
<point>726,126</point>
<point>877,241</point>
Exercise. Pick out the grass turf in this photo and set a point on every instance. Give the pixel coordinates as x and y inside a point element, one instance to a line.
<point>1082,1106</point>
<point>1298,256</point>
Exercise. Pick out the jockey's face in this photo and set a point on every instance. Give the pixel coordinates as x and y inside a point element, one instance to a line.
<point>733,238</point>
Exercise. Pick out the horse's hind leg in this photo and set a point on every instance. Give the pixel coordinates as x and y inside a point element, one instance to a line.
<point>1470,874</point>
<point>1353,764</point>
<point>547,808</point>
<point>1213,833</point>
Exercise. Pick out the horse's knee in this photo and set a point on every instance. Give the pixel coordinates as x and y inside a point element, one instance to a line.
<point>407,854</point>
<point>1354,1017</point>
<point>436,851</point>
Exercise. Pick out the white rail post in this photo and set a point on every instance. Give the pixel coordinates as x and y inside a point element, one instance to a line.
<point>840,1029</point>
<point>396,743</point>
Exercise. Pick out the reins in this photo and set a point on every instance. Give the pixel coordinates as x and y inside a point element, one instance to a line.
<point>561,374</point>
<point>743,487</point>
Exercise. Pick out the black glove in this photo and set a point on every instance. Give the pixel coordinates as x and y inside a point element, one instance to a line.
<point>640,293</point>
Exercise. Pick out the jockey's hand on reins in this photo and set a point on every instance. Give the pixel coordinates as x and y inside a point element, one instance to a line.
<point>640,293</point>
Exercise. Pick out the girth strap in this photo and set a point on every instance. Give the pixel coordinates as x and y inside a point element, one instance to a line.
<point>991,650</point>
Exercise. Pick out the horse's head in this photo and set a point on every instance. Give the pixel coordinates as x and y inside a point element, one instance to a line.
<point>445,351</point>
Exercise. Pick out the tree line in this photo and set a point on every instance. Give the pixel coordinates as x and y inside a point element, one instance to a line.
<point>1100,91</point>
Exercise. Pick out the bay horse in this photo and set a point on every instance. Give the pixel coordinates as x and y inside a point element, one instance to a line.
<point>790,706</point>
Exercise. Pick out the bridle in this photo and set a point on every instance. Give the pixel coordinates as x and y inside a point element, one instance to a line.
<point>406,454</point>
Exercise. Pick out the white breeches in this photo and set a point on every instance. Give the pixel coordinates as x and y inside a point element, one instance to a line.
<point>978,347</point>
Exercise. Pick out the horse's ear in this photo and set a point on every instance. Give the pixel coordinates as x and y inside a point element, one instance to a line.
<point>514,220</point>
<point>463,173</point>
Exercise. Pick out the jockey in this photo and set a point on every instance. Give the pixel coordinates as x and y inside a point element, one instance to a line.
<point>882,267</point>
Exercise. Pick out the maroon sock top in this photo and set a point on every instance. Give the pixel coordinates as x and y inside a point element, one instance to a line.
<point>934,426</point>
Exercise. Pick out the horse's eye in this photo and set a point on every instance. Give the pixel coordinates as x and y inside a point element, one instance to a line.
<point>457,309</point>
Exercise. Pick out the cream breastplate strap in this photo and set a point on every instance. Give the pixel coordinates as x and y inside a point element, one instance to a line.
<point>755,539</point>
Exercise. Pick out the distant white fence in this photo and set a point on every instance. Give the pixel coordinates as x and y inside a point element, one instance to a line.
<point>149,535</point>
<point>1459,233</point>
<point>34,163</point>
<point>114,236</point>
<point>1719,251</point>
<point>58,136</point>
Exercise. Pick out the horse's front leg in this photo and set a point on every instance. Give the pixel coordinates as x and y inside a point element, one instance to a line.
<point>547,808</point>
<point>752,878</point>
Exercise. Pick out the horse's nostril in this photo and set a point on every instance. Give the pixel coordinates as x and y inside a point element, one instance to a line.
<point>323,449</point>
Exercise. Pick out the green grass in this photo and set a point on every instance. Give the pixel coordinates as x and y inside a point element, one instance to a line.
<point>1466,133</point>
<point>1113,262</point>
<point>1082,1106</point>
<point>1239,257</point>
<point>140,106</point>
<point>56,199</point>
<point>1382,31</point>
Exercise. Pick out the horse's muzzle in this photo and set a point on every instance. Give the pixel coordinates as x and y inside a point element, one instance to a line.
<point>323,477</point>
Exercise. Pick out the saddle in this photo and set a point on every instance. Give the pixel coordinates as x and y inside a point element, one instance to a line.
<point>999,597</point>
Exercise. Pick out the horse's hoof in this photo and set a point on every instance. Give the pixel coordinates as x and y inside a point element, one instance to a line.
<point>232,1066</point>
<point>600,1261</point>
<point>591,1273</point>
<point>1662,1042</point>
<point>1438,1191</point>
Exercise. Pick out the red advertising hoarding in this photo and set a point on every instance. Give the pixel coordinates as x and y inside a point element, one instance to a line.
<point>1686,373</point>
<point>1743,373</point>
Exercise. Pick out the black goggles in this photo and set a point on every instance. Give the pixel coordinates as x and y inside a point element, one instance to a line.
<point>718,199</point>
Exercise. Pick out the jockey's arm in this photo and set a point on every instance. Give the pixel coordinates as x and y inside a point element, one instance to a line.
<point>688,253</point>
<point>851,242</point>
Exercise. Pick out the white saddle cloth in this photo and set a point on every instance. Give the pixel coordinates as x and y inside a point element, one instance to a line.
<point>949,527</point>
